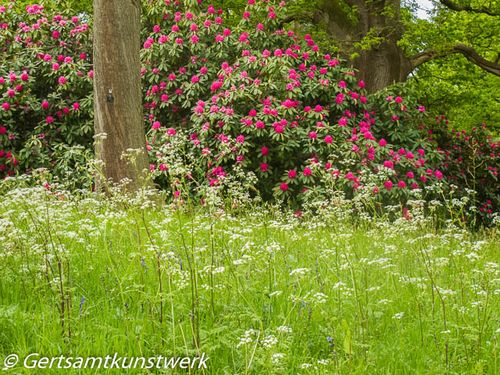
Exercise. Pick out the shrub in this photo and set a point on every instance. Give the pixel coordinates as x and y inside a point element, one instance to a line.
<point>249,110</point>
<point>46,86</point>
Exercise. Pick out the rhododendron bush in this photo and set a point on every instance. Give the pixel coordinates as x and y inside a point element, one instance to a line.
<point>45,81</point>
<point>251,107</point>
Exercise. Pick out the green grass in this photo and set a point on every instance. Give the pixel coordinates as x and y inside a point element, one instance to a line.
<point>87,277</point>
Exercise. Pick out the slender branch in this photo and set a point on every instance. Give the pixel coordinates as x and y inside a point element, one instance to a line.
<point>467,8</point>
<point>468,52</point>
<point>471,55</point>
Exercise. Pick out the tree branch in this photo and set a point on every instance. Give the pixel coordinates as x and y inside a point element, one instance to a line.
<point>468,52</point>
<point>459,7</point>
<point>471,55</point>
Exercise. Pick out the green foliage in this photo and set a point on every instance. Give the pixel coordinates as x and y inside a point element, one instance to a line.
<point>452,85</point>
<point>75,6</point>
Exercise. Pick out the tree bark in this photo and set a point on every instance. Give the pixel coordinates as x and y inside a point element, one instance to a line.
<point>118,116</point>
<point>385,63</point>
<point>382,64</point>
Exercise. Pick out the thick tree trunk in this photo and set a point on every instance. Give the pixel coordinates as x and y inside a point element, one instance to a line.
<point>384,63</point>
<point>118,117</point>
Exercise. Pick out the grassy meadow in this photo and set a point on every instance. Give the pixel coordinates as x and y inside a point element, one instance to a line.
<point>260,292</point>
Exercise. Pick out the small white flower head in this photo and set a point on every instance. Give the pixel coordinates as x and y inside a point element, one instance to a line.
<point>398,316</point>
<point>284,329</point>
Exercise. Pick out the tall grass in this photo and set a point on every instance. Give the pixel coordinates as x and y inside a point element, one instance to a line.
<point>260,293</point>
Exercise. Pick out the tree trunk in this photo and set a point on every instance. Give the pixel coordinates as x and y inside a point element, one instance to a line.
<point>384,63</point>
<point>118,117</point>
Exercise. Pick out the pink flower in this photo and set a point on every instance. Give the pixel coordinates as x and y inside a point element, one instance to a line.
<point>342,121</point>
<point>279,129</point>
<point>438,174</point>
<point>162,167</point>
<point>283,186</point>
<point>339,99</point>
<point>264,167</point>
<point>328,139</point>
<point>49,119</point>
<point>292,174</point>
<point>62,80</point>
<point>5,106</point>
<point>240,138</point>
<point>421,108</point>
<point>243,37</point>
<point>163,39</point>
<point>398,100</point>
<point>410,175</point>
<point>264,151</point>
<point>215,86</point>
<point>388,185</point>
<point>307,171</point>
<point>156,125</point>
<point>382,143</point>
<point>313,135</point>
<point>318,108</point>
<point>171,132</point>
<point>260,124</point>
<point>401,184</point>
